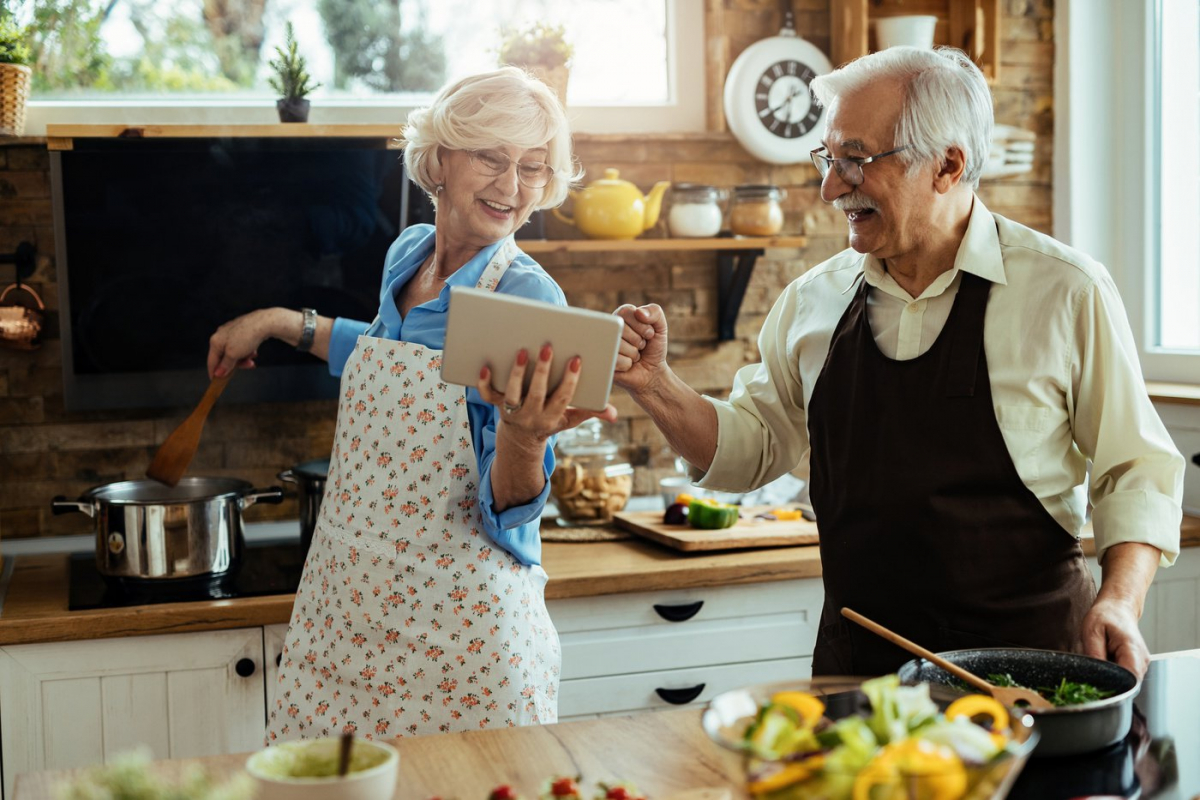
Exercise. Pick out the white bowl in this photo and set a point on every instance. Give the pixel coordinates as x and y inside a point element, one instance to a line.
<point>271,769</point>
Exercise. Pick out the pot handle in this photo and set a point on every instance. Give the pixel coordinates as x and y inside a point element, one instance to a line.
<point>272,494</point>
<point>288,476</point>
<point>61,505</point>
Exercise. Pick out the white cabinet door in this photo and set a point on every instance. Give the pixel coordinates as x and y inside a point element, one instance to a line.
<point>1171,616</point>
<point>272,654</point>
<point>71,704</point>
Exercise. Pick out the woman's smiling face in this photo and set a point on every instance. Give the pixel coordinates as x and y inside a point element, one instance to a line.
<point>476,210</point>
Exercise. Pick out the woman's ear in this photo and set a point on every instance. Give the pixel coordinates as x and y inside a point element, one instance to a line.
<point>436,169</point>
<point>950,172</point>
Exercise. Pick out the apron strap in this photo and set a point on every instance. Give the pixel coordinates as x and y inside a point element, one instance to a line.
<point>505,254</point>
<point>964,350</point>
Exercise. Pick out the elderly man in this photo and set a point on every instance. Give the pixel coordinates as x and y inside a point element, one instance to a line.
<point>948,377</point>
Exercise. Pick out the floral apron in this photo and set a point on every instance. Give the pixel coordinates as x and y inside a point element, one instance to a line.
<point>408,619</point>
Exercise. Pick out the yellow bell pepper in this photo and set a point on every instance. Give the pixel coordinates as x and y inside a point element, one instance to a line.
<point>980,705</point>
<point>791,774</point>
<point>912,769</point>
<point>806,705</point>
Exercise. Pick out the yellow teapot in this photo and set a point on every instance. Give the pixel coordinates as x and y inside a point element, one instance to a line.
<point>610,208</point>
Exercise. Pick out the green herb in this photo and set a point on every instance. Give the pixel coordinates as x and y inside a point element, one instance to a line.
<point>14,48</point>
<point>1070,693</point>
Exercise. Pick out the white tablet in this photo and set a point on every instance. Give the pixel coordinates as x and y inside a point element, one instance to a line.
<point>490,328</point>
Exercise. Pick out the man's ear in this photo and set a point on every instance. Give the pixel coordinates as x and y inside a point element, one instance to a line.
<point>950,171</point>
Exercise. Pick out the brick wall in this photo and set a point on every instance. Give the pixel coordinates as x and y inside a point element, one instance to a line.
<point>46,451</point>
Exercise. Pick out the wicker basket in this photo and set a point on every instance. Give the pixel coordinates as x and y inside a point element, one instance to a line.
<point>21,326</point>
<point>14,91</point>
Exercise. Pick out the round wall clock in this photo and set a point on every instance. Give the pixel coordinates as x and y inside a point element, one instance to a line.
<point>768,105</point>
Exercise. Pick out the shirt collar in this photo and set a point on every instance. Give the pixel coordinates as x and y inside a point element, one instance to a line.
<point>978,254</point>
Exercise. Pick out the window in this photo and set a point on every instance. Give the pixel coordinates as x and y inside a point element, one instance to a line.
<point>1127,163</point>
<point>637,64</point>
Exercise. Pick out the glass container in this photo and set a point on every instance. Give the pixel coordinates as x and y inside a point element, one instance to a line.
<point>755,211</point>
<point>591,481</point>
<point>695,210</point>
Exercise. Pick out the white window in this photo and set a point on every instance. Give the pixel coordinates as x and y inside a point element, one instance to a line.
<point>638,65</point>
<point>1127,163</point>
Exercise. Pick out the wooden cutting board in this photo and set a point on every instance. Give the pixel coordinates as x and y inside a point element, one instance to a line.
<point>748,532</point>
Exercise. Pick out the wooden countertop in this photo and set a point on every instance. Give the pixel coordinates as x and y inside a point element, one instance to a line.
<point>665,754</point>
<point>35,606</point>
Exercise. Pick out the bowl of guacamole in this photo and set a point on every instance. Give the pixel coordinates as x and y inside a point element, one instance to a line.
<point>307,770</point>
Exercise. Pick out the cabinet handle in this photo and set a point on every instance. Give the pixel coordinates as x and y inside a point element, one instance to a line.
<point>278,659</point>
<point>679,613</point>
<point>680,697</point>
<point>1196,459</point>
<point>244,667</point>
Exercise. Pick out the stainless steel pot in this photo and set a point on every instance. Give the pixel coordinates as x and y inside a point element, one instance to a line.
<point>309,478</point>
<point>146,530</point>
<point>1066,730</point>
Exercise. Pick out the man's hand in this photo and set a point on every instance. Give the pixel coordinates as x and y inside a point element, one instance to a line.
<point>1110,632</point>
<point>642,356</point>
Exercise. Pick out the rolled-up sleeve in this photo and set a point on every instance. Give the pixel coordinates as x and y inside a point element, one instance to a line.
<point>1136,487</point>
<point>762,428</point>
<point>342,340</point>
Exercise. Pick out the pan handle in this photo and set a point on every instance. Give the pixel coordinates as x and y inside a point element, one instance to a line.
<point>61,505</point>
<point>289,476</point>
<point>272,494</point>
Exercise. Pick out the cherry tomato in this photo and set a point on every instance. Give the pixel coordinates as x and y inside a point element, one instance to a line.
<point>504,792</point>
<point>618,793</point>
<point>564,787</point>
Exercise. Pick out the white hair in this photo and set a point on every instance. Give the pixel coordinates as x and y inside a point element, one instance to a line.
<point>507,106</point>
<point>947,103</point>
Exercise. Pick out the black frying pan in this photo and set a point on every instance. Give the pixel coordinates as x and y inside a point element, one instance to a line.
<point>1067,730</point>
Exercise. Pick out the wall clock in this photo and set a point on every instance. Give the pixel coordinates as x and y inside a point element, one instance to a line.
<point>768,105</point>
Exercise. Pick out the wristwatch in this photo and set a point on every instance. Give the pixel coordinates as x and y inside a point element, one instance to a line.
<point>309,331</point>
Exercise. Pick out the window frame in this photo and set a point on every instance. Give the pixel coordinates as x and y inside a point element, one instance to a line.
<point>684,113</point>
<point>1107,158</point>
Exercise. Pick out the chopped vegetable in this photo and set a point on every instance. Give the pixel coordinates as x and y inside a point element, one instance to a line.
<point>676,514</point>
<point>708,514</point>
<point>1067,693</point>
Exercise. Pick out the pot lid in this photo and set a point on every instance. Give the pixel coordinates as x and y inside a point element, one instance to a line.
<point>315,469</point>
<point>150,492</point>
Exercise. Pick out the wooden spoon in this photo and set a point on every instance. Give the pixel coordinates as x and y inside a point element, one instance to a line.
<point>1007,695</point>
<point>174,454</point>
<point>344,754</point>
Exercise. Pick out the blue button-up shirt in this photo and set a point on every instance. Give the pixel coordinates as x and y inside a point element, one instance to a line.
<point>514,529</point>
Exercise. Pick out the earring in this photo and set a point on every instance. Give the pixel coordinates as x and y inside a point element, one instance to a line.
<point>438,188</point>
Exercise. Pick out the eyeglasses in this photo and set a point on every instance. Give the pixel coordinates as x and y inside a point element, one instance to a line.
<point>848,169</point>
<point>534,174</point>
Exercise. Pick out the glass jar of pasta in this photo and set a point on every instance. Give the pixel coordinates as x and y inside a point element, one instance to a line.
<point>591,481</point>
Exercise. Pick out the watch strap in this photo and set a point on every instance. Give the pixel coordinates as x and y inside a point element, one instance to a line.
<point>309,330</point>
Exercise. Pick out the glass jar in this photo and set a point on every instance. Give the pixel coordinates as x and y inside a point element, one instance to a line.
<point>756,211</point>
<point>695,210</point>
<point>591,481</point>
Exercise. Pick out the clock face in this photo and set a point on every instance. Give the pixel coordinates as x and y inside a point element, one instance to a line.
<point>782,100</point>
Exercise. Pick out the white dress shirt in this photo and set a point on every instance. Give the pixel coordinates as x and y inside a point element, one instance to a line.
<point>1063,366</point>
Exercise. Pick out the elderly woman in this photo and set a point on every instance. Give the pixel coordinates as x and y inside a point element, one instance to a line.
<point>421,607</point>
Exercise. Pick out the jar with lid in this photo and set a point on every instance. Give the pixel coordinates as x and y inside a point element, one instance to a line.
<point>756,211</point>
<point>695,210</point>
<point>591,481</point>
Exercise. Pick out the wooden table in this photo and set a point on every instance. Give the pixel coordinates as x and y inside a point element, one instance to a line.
<point>665,754</point>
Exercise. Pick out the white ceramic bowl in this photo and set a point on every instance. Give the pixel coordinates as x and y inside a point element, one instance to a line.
<point>272,766</point>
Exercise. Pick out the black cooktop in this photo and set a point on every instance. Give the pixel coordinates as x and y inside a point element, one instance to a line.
<point>269,567</point>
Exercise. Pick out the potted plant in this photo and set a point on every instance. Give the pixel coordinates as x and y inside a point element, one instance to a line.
<point>291,80</point>
<point>543,50</point>
<point>15,74</point>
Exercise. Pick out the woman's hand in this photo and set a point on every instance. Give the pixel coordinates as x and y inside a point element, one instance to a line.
<point>536,416</point>
<point>235,344</point>
<point>642,356</point>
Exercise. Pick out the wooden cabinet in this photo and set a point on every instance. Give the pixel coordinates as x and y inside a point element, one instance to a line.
<point>661,650</point>
<point>970,25</point>
<point>71,704</point>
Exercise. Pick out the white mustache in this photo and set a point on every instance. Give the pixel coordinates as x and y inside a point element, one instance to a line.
<point>855,201</point>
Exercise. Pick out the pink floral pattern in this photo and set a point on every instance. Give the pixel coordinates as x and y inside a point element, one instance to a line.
<point>408,621</point>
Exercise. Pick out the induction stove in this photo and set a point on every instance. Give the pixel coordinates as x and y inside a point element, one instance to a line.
<point>265,568</point>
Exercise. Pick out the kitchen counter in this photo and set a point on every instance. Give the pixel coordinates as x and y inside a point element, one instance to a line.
<point>35,604</point>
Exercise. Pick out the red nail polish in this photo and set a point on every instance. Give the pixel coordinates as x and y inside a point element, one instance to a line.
<point>522,358</point>
<point>483,373</point>
<point>545,354</point>
<point>575,363</point>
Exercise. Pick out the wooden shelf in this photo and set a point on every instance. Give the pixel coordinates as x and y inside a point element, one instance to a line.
<point>653,245</point>
<point>1182,393</point>
<point>735,262</point>
<point>970,25</point>
<point>59,137</point>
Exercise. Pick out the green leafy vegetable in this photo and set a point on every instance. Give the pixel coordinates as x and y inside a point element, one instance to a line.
<point>1067,693</point>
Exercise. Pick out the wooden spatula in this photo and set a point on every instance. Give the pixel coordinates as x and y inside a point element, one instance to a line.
<point>174,454</point>
<point>1008,695</point>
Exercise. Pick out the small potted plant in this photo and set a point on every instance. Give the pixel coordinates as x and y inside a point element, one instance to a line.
<point>15,75</point>
<point>543,50</point>
<point>291,80</point>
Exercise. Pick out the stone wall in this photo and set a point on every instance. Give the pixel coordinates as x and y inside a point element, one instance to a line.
<point>46,451</point>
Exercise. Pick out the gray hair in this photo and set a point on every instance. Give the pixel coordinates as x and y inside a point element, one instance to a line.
<point>507,106</point>
<point>947,102</point>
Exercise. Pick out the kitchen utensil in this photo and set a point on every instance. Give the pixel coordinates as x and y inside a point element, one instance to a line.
<point>612,208</point>
<point>344,754</point>
<point>1008,695</point>
<point>591,480</point>
<point>730,713</point>
<point>749,531</point>
<point>174,454</point>
<point>307,770</point>
<point>1066,730</point>
<point>20,326</point>
<point>309,478</point>
<point>151,532</point>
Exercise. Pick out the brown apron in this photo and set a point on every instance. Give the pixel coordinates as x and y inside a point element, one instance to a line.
<point>926,526</point>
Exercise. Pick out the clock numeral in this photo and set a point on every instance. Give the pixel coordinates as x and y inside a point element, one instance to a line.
<point>792,67</point>
<point>774,124</point>
<point>777,69</point>
<point>808,75</point>
<point>787,132</point>
<point>766,80</point>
